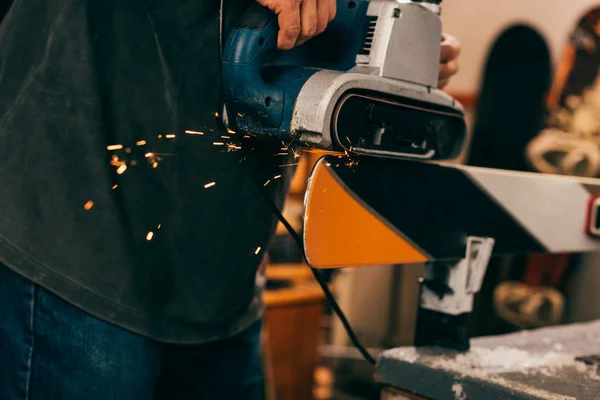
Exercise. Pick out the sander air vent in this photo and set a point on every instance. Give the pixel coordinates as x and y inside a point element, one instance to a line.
<point>369,35</point>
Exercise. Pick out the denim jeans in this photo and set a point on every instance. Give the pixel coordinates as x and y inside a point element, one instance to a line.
<point>50,349</point>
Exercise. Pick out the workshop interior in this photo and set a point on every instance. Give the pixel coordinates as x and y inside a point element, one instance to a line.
<point>434,244</point>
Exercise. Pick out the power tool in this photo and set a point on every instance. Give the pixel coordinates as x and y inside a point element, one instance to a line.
<point>367,85</point>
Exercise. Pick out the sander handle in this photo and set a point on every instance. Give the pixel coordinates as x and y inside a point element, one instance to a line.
<point>248,45</point>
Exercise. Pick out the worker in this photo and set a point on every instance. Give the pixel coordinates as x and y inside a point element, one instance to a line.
<point>130,242</point>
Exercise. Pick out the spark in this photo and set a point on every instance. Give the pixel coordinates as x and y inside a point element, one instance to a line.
<point>211,184</point>
<point>154,164</point>
<point>233,147</point>
<point>225,137</point>
<point>288,165</point>
<point>160,136</point>
<point>267,182</point>
<point>114,147</point>
<point>216,114</point>
<point>149,236</point>
<point>133,162</point>
<point>128,150</point>
<point>121,169</point>
<point>257,250</point>
<point>296,155</point>
<point>281,154</point>
<point>240,114</point>
<point>230,131</point>
<point>218,143</point>
<point>140,142</point>
<point>149,154</point>
<point>170,136</point>
<point>159,225</point>
<point>88,205</point>
<point>194,133</point>
<point>114,187</point>
<point>277,177</point>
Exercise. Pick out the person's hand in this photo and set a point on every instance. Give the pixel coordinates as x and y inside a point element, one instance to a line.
<point>299,20</point>
<point>448,61</point>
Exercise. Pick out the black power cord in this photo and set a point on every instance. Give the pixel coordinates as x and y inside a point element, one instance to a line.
<point>318,276</point>
<point>316,272</point>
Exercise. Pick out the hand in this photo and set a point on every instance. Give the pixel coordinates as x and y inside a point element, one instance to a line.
<point>299,20</point>
<point>449,53</point>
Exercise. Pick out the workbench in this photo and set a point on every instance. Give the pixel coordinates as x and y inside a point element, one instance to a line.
<point>556,363</point>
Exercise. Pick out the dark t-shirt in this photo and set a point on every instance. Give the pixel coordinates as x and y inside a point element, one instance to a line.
<point>139,235</point>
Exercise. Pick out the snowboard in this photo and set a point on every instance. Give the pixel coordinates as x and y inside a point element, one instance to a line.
<point>374,211</point>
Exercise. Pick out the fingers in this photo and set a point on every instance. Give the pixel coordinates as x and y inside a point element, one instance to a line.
<point>450,48</point>
<point>309,24</point>
<point>449,52</point>
<point>289,24</point>
<point>322,15</point>
<point>332,9</point>
<point>446,72</point>
<point>300,20</point>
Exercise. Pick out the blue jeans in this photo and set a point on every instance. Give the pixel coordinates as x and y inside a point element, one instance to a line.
<point>52,350</point>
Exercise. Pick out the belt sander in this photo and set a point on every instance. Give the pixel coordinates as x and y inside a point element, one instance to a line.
<point>367,85</point>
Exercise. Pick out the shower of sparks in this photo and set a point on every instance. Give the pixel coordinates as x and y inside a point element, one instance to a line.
<point>208,185</point>
<point>121,169</point>
<point>194,133</point>
<point>267,182</point>
<point>277,177</point>
<point>88,206</point>
<point>218,144</point>
<point>149,154</point>
<point>170,136</point>
<point>149,236</point>
<point>140,143</point>
<point>257,250</point>
<point>288,165</point>
<point>352,163</point>
<point>233,147</point>
<point>114,147</point>
<point>225,137</point>
<point>114,187</point>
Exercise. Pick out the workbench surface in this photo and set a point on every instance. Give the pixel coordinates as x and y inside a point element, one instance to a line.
<point>538,364</point>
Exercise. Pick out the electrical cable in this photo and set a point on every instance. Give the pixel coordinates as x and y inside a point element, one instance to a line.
<point>318,276</point>
<point>298,240</point>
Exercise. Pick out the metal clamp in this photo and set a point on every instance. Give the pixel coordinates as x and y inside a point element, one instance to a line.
<point>478,254</point>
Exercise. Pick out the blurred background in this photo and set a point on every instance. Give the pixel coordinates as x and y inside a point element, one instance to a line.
<point>528,83</point>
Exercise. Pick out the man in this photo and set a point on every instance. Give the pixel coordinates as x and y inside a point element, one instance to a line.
<point>129,248</point>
